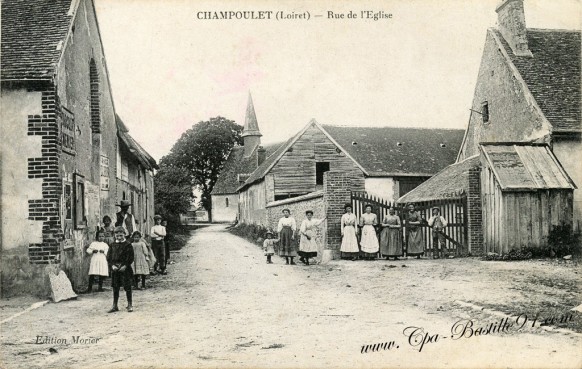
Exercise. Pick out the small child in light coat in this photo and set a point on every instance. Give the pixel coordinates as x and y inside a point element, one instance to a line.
<point>438,224</point>
<point>269,246</point>
<point>141,266</point>
<point>98,268</point>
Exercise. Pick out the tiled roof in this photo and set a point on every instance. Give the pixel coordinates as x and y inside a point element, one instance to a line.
<point>553,74</point>
<point>525,167</point>
<point>32,35</point>
<point>384,151</point>
<point>449,182</point>
<point>238,167</point>
<point>394,151</point>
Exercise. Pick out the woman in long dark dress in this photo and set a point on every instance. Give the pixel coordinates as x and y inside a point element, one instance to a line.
<point>286,229</point>
<point>391,238</point>
<point>414,238</point>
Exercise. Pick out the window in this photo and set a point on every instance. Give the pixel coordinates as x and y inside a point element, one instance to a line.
<point>408,184</point>
<point>124,171</point>
<point>79,196</point>
<point>485,111</point>
<point>226,202</point>
<point>320,168</point>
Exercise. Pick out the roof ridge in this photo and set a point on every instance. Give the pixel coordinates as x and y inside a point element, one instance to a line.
<point>554,30</point>
<point>396,127</point>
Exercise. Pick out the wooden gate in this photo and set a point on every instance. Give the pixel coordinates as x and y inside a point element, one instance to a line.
<point>454,210</point>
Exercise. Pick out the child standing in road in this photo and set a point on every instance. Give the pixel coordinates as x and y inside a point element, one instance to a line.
<point>120,258</point>
<point>141,267</point>
<point>98,251</point>
<point>269,246</point>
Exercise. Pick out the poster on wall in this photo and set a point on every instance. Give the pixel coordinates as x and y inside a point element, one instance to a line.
<point>104,173</point>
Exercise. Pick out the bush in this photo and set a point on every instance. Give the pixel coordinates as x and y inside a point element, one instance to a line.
<point>252,232</point>
<point>563,241</point>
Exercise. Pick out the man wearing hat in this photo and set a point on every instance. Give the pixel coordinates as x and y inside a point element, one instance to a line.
<point>125,219</point>
<point>438,223</point>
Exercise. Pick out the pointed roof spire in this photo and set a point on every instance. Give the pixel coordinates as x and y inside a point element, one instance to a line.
<point>251,127</point>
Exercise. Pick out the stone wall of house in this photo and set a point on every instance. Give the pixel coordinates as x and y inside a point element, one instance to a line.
<point>84,95</point>
<point>513,115</point>
<point>252,203</point>
<point>224,208</point>
<point>474,209</point>
<point>31,188</point>
<point>22,117</point>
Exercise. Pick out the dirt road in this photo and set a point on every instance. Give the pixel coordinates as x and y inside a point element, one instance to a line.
<point>221,305</point>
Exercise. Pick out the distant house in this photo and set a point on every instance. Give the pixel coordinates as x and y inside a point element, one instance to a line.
<point>386,162</point>
<point>194,215</point>
<point>527,91</point>
<point>241,162</point>
<point>67,158</point>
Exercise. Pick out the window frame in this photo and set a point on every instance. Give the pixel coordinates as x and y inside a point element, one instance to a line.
<point>79,206</point>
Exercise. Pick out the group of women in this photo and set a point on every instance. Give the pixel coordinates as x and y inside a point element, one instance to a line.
<point>307,243</point>
<point>390,244</point>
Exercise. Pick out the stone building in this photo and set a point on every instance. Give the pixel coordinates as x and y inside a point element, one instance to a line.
<point>63,143</point>
<point>527,92</point>
<point>241,162</point>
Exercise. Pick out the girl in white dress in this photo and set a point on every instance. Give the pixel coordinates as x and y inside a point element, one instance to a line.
<point>369,242</point>
<point>349,227</point>
<point>98,268</point>
<point>307,244</point>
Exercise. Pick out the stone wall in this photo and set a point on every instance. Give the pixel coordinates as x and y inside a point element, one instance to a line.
<point>513,113</point>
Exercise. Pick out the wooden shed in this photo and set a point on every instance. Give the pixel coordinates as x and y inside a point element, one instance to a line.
<point>524,191</point>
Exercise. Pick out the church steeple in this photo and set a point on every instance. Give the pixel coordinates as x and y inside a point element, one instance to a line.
<point>251,134</point>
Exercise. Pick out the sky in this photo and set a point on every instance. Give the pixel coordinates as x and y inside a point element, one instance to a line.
<point>169,69</point>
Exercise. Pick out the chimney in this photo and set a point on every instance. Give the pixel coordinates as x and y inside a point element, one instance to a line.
<point>511,21</point>
<point>261,155</point>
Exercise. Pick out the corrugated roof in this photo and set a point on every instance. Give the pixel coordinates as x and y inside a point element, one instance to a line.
<point>31,33</point>
<point>525,167</point>
<point>453,181</point>
<point>237,167</point>
<point>553,74</point>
